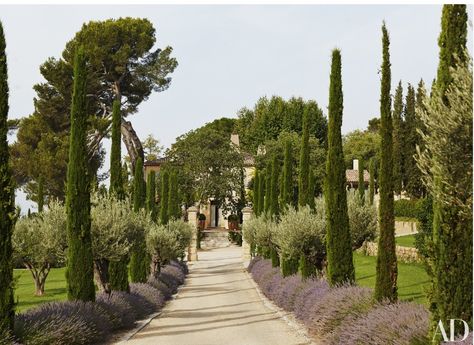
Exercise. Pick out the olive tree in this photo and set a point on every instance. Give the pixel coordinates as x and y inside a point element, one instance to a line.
<point>39,243</point>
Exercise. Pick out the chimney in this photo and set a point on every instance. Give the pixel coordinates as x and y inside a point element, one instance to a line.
<point>355,164</point>
<point>234,138</point>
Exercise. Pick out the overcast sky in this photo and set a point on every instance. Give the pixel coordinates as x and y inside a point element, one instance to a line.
<point>229,56</point>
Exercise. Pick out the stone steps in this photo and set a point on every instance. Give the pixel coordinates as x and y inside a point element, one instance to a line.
<point>214,239</point>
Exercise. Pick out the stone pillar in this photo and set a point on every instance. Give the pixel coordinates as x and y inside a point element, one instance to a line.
<point>192,219</point>
<point>246,215</point>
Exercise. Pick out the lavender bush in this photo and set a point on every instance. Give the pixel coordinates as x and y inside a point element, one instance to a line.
<point>398,324</point>
<point>458,341</point>
<point>162,287</point>
<point>141,307</point>
<point>122,313</point>
<point>313,291</point>
<point>151,294</point>
<point>285,293</point>
<point>338,304</point>
<point>175,272</point>
<point>181,265</point>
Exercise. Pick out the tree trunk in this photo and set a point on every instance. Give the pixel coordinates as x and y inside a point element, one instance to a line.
<point>155,267</point>
<point>132,142</point>
<point>101,273</point>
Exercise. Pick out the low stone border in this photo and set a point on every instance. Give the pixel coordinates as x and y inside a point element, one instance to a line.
<point>404,254</point>
<point>287,316</point>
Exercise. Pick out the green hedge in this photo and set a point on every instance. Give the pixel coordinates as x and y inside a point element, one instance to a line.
<point>406,208</point>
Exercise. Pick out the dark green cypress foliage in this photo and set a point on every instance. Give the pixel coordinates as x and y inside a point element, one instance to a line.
<point>116,182</point>
<point>80,268</point>
<point>386,273</point>
<point>7,202</point>
<point>287,190</point>
<point>274,207</point>
<point>151,195</point>
<point>372,181</point>
<point>304,267</point>
<point>165,178</point>
<point>174,211</point>
<point>303,181</point>
<point>274,257</point>
<point>398,139</point>
<point>256,191</point>
<point>340,267</point>
<point>29,213</point>
<point>410,142</point>
<point>311,188</point>
<point>261,196</point>
<point>452,42</point>
<point>268,190</point>
<point>139,188</point>
<point>361,184</point>
<point>118,275</point>
<point>40,194</point>
<point>288,266</point>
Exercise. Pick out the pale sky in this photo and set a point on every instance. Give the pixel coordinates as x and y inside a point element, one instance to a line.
<point>229,56</point>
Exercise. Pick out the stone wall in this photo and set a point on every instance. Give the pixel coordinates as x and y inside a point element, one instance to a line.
<point>403,228</point>
<point>404,254</point>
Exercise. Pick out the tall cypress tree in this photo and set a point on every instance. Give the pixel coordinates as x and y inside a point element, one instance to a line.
<point>256,191</point>
<point>261,196</point>
<point>287,188</point>
<point>274,209</point>
<point>80,267</point>
<point>372,181</point>
<point>386,274</point>
<point>398,139</point>
<point>268,190</point>
<point>303,181</point>
<point>116,182</point>
<point>7,202</point>
<point>40,194</point>
<point>340,267</point>
<point>410,142</point>
<point>311,188</point>
<point>139,188</point>
<point>165,177</point>
<point>151,195</point>
<point>361,184</point>
<point>451,295</point>
<point>174,211</point>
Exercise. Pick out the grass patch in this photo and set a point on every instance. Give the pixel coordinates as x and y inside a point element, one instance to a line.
<point>55,289</point>
<point>405,241</point>
<point>412,278</point>
<point>406,219</point>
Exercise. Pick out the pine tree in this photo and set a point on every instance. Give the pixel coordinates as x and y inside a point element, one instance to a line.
<point>151,195</point>
<point>361,184</point>
<point>7,202</point>
<point>287,188</point>
<point>261,196</point>
<point>165,177</point>
<point>40,194</point>
<point>116,182</point>
<point>274,207</point>
<point>372,181</point>
<point>386,272</point>
<point>303,181</point>
<point>452,44</point>
<point>256,191</point>
<point>398,140</point>
<point>80,267</point>
<point>268,190</point>
<point>174,210</point>
<point>340,267</point>
<point>139,188</point>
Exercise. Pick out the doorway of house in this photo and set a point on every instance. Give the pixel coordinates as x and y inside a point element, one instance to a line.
<point>214,215</point>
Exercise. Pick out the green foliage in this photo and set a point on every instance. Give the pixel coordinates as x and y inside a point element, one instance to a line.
<point>116,182</point>
<point>151,196</point>
<point>274,257</point>
<point>362,220</point>
<point>260,232</point>
<point>386,277</point>
<point>340,267</point>
<point>398,139</point>
<point>446,165</point>
<point>372,181</point>
<point>289,266</point>
<point>174,209</point>
<point>40,194</point>
<point>118,275</point>
<point>164,196</point>
<point>302,233</point>
<point>152,148</point>
<point>139,188</point>
<point>274,206</point>
<point>7,201</point>
<point>424,237</point>
<point>361,184</point>
<point>261,197</point>
<point>311,191</point>
<point>287,188</point>
<point>303,174</point>
<point>304,268</point>
<point>406,208</point>
<point>80,272</point>
<point>40,243</point>
<point>256,192</point>
<point>268,190</point>
<point>361,144</point>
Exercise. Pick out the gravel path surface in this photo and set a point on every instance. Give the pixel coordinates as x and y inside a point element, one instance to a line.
<point>218,305</point>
